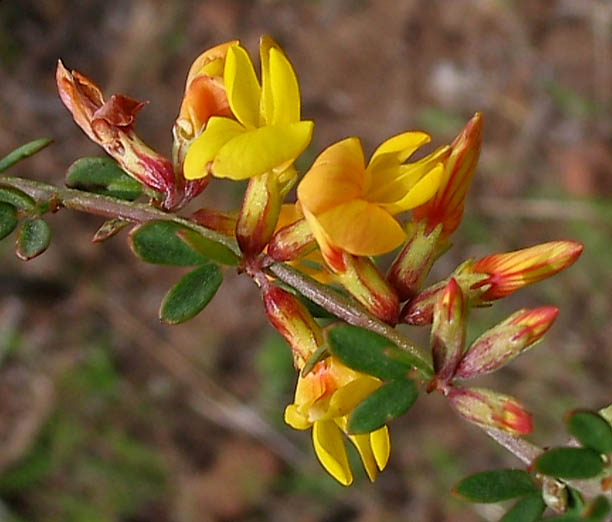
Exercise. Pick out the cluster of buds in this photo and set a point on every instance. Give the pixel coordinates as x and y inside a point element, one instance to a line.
<point>238,125</point>
<point>491,351</point>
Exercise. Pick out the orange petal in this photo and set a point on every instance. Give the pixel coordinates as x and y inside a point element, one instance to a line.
<point>362,228</point>
<point>336,176</point>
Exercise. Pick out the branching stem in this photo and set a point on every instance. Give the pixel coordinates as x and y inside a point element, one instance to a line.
<point>54,198</point>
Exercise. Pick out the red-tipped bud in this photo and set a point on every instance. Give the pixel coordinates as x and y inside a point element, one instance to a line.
<point>448,330</point>
<point>294,322</point>
<point>490,409</point>
<point>292,242</point>
<point>505,341</point>
<point>446,207</point>
<point>419,310</point>
<point>513,270</point>
<point>259,213</point>
<point>215,220</point>
<point>413,263</point>
<point>362,279</point>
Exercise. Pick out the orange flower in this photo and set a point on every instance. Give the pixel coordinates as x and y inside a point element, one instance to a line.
<point>351,206</point>
<point>204,97</point>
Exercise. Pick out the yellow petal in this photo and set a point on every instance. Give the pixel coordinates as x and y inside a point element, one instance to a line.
<point>285,89</point>
<point>421,192</point>
<point>344,400</point>
<point>362,228</point>
<point>242,86</point>
<point>391,182</point>
<point>330,450</point>
<point>205,147</point>
<point>362,443</point>
<point>266,103</point>
<point>381,446</point>
<point>295,419</point>
<point>260,150</point>
<point>336,176</point>
<point>398,148</point>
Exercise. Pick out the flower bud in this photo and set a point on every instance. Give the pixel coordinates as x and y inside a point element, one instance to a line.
<point>292,242</point>
<point>491,410</point>
<point>505,341</point>
<point>446,207</point>
<point>419,310</point>
<point>413,263</point>
<point>448,330</point>
<point>215,220</point>
<point>259,213</point>
<point>364,282</point>
<point>294,322</point>
<point>510,271</point>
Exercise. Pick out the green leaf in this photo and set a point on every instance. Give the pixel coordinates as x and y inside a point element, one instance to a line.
<point>109,228</point>
<point>495,486</point>
<point>8,219</point>
<point>598,509</point>
<point>208,248</point>
<point>320,354</point>
<point>564,518</point>
<point>191,294</point>
<point>591,429</point>
<point>34,238</point>
<point>23,152</point>
<point>102,176</point>
<point>367,352</point>
<point>528,509</point>
<point>157,242</point>
<point>388,402</point>
<point>17,198</point>
<point>570,463</point>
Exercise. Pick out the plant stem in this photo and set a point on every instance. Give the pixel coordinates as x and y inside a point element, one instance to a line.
<point>107,206</point>
<point>351,312</point>
<point>346,309</point>
<point>340,306</point>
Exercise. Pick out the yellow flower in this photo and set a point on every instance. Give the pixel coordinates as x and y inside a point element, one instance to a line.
<point>351,206</point>
<point>323,400</point>
<point>265,133</point>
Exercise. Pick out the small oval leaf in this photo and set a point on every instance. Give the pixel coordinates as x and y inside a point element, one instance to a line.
<point>102,176</point>
<point>591,429</point>
<point>528,509</point>
<point>495,486</point>
<point>367,352</point>
<point>8,219</point>
<point>17,198</point>
<point>598,509</point>
<point>157,242</point>
<point>570,463</point>
<point>34,238</point>
<point>388,402</point>
<point>210,249</point>
<point>191,294</point>
<point>23,152</point>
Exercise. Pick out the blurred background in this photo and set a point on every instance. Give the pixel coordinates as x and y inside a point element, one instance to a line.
<point>107,415</point>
